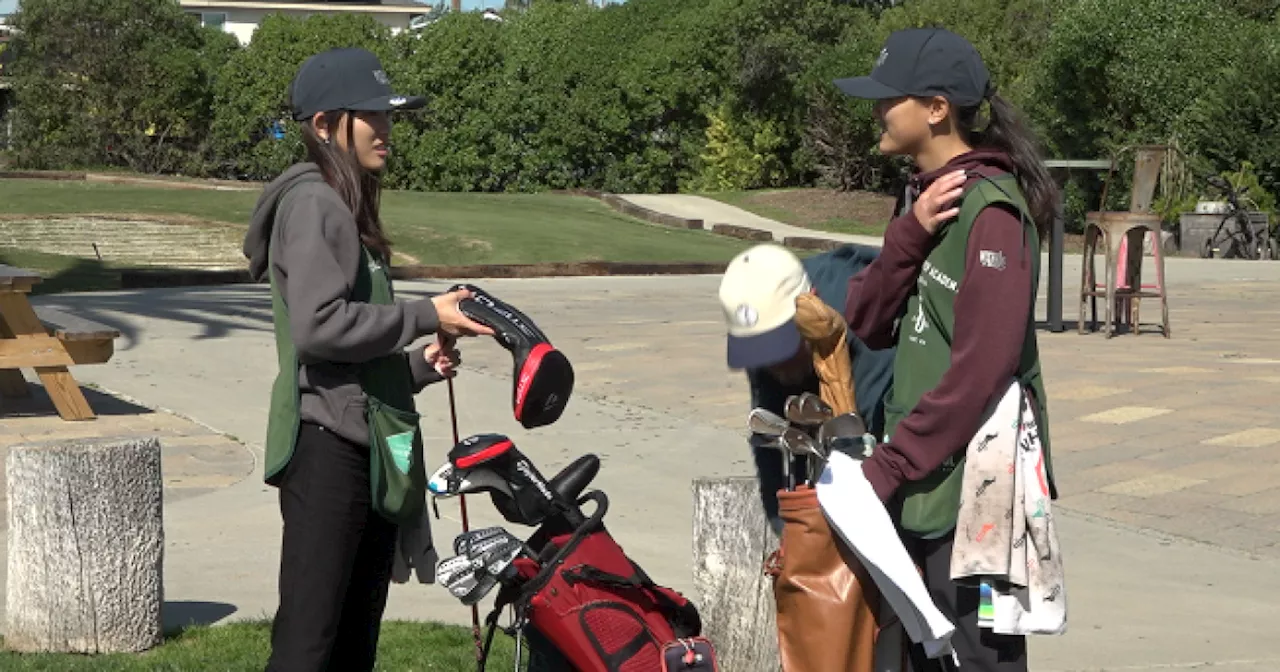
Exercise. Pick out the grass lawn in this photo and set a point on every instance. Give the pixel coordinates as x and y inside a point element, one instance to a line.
<point>402,647</point>
<point>432,228</point>
<point>862,213</point>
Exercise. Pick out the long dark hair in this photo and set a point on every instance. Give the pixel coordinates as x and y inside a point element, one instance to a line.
<point>1007,131</point>
<point>360,189</point>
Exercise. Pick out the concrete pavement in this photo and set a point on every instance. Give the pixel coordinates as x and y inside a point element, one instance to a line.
<point>713,212</point>
<point>1154,438</point>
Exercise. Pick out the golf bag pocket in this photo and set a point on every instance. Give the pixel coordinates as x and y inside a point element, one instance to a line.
<point>600,610</point>
<point>397,475</point>
<point>689,655</point>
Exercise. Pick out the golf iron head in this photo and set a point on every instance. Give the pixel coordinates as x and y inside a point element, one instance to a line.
<point>467,539</point>
<point>800,444</point>
<point>807,409</point>
<point>846,433</point>
<point>767,423</point>
<point>470,576</point>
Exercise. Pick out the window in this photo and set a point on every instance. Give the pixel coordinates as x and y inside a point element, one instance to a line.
<point>214,20</point>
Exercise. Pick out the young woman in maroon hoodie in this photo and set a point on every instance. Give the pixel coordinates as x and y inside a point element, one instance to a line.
<point>955,292</point>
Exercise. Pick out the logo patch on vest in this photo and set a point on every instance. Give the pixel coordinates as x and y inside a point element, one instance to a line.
<point>992,259</point>
<point>934,273</point>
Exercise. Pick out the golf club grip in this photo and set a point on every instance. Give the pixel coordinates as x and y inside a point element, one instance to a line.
<point>575,478</point>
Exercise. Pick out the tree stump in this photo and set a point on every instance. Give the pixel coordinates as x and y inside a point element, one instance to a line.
<point>86,546</point>
<point>731,541</point>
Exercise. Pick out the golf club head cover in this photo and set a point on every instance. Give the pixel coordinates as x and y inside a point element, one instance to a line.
<point>531,499</point>
<point>543,379</point>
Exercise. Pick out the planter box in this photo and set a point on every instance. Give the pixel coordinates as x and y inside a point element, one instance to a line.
<point>1194,230</point>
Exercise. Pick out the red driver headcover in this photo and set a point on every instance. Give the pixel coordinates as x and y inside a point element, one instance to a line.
<point>543,378</point>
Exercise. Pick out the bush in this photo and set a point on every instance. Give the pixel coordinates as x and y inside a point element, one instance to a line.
<point>459,142</point>
<point>110,83</point>
<point>841,134</point>
<point>253,131</point>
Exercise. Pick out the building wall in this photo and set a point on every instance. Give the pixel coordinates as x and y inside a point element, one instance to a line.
<point>242,22</point>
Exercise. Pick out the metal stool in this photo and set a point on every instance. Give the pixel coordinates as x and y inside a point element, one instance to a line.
<point>1122,235</point>
<point>1127,230</point>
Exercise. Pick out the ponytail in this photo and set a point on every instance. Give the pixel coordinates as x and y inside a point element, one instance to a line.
<point>1008,132</point>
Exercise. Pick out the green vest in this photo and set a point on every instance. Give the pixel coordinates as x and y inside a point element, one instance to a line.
<point>925,335</point>
<point>397,474</point>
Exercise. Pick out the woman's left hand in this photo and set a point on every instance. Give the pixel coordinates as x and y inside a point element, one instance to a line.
<point>443,356</point>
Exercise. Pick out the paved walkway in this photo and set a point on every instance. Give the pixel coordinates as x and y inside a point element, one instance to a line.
<point>195,460</point>
<point>1168,450</point>
<point>713,212</point>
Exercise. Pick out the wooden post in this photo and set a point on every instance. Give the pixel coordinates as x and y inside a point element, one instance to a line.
<point>86,546</point>
<point>731,541</point>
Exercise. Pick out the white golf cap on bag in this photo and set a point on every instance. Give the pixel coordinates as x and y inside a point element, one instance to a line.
<point>758,295</point>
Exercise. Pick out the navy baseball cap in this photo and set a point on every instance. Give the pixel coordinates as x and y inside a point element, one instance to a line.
<point>345,79</point>
<point>924,62</point>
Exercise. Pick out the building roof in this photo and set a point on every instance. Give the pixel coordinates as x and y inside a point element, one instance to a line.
<point>366,6</point>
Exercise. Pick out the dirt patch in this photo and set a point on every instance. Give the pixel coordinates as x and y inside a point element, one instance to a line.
<point>814,207</point>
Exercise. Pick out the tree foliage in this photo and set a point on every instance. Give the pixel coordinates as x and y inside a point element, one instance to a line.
<point>106,82</point>
<point>650,95</point>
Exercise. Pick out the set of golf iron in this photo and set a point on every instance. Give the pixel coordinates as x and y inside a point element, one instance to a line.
<point>484,558</point>
<point>812,430</point>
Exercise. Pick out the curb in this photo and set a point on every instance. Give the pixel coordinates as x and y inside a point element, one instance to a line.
<point>41,175</point>
<point>811,243</point>
<point>63,175</point>
<point>742,232</point>
<point>158,278</point>
<point>729,230</point>
<point>640,212</point>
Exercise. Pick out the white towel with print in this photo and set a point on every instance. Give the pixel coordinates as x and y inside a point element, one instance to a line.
<point>857,515</point>
<point>1006,541</point>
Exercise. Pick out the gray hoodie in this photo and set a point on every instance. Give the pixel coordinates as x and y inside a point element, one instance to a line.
<point>317,255</point>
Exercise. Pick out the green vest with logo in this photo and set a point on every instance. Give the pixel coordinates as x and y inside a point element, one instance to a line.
<point>925,335</point>
<point>397,473</point>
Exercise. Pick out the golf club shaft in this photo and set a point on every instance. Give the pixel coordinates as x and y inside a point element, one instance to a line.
<point>462,504</point>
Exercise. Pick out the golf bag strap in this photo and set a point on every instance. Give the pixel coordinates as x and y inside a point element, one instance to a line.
<point>672,610</point>
<point>537,583</point>
<point>492,621</point>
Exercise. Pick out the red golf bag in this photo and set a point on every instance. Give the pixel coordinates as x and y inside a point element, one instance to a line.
<point>598,611</point>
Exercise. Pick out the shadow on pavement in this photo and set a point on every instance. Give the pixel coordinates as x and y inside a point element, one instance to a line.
<point>39,404</point>
<point>186,613</point>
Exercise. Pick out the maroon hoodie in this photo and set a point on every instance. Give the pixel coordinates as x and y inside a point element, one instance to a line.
<point>992,308</point>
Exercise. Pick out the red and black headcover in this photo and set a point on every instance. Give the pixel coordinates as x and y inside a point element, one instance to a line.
<point>543,377</point>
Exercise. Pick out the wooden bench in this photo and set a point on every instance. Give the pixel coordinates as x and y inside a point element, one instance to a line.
<point>47,340</point>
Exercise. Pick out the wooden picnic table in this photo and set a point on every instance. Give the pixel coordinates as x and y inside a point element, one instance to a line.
<point>48,341</point>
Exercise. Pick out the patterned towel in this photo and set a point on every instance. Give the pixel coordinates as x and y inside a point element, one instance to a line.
<point>1006,541</point>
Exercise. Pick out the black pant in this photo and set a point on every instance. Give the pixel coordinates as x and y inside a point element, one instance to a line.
<point>335,561</point>
<point>979,650</point>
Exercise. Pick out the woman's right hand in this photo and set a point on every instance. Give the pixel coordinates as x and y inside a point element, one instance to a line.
<point>931,208</point>
<point>452,321</point>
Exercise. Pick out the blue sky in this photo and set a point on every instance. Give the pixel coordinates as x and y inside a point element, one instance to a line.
<point>8,6</point>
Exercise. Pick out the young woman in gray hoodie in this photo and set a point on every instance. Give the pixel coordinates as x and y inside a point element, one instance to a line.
<point>341,338</point>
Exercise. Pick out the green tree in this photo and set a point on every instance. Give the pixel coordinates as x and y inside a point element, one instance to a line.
<point>109,82</point>
<point>251,92</point>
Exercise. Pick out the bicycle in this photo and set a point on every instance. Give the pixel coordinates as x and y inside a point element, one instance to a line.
<point>1237,235</point>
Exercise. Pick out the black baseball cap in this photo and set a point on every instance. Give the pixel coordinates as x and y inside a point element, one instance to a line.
<point>345,79</point>
<point>924,62</point>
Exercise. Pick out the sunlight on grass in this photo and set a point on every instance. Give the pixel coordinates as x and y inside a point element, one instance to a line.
<point>402,647</point>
